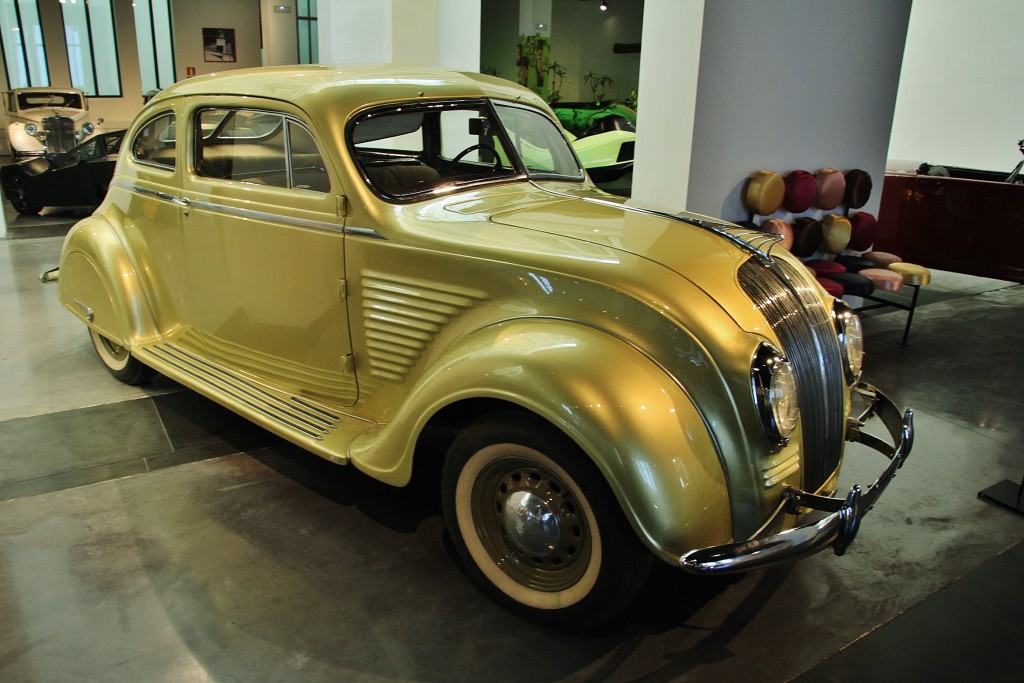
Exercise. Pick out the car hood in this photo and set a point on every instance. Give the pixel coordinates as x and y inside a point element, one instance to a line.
<point>703,250</point>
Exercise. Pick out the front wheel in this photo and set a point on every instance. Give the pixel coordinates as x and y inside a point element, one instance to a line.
<point>18,193</point>
<point>119,361</point>
<point>537,525</point>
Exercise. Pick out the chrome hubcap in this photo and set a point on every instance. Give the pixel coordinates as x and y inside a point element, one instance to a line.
<point>531,524</point>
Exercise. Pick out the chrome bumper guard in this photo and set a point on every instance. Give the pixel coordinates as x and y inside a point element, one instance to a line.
<point>838,529</point>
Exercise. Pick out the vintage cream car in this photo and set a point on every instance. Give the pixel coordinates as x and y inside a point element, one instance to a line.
<point>352,256</point>
<point>47,120</point>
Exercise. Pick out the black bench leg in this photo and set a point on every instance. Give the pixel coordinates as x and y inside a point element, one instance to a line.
<point>910,314</point>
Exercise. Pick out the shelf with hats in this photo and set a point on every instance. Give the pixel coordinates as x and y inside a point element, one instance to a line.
<point>817,218</point>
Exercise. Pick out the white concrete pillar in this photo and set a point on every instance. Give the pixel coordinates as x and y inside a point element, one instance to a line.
<point>669,70</point>
<point>429,32</point>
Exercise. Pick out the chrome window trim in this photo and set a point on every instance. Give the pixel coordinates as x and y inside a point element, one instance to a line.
<point>286,119</point>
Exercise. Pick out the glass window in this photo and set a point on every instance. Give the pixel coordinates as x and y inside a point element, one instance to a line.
<point>153,30</point>
<point>257,147</point>
<point>155,142</point>
<point>92,48</point>
<point>49,100</point>
<point>307,165</point>
<point>539,143</point>
<point>306,21</point>
<point>405,152</point>
<point>22,38</point>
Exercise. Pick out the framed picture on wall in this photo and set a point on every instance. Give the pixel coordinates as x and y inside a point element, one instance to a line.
<point>219,44</point>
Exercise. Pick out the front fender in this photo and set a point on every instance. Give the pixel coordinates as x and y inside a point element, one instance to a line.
<point>636,424</point>
<point>99,284</point>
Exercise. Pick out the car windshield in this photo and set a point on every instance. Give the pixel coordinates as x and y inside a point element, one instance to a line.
<point>539,144</point>
<point>37,100</point>
<point>406,152</point>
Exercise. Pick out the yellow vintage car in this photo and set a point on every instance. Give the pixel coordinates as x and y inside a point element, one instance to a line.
<point>350,256</point>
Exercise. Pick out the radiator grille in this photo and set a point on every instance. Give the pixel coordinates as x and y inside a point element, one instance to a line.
<point>60,133</point>
<point>807,334</point>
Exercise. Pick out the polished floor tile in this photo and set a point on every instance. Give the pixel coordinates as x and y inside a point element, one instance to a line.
<point>149,535</point>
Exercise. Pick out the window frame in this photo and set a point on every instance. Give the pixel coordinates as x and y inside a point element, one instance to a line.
<point>307,23</point>
<point>153,53</point>
<point>201,141</point>
<point>21,49</point>
<point>87,50</point>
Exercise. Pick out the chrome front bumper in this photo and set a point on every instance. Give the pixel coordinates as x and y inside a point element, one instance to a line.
<point>839,528</point>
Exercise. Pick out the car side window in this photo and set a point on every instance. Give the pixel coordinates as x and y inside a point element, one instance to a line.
<point>260,148</point>
<point>155,142</point>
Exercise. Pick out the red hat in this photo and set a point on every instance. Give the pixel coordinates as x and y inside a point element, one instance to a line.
<point>801,189</point>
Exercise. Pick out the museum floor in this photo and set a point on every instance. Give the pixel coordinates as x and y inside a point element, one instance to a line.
<point>147,535</point>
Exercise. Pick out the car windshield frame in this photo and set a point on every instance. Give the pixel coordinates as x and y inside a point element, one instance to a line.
<point>489,124</point>
<point>57,99</point>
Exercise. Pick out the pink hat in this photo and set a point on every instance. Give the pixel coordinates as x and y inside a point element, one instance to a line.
<point>831,187</point>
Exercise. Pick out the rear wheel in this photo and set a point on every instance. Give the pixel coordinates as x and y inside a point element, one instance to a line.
<point>538,527</point>
<point>119,360</point>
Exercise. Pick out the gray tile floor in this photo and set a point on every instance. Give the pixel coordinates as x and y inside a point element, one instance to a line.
<point>148,535</point>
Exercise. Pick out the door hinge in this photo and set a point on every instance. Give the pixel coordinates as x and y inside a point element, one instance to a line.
<point>348,365</point>
<point>343,289</point>
<point>342,206</point>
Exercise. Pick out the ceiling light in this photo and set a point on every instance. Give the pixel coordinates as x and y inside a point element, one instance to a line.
<point>604,5</point>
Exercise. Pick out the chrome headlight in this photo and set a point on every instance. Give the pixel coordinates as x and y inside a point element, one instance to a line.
<point>31,128</point>
<point>774,387</point>
<point>88,128</point>
<point>851,339</point>
<point>79,135</point>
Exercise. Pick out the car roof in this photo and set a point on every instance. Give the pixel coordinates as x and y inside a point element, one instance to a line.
<point>44,89</point>
<point>356,85</point>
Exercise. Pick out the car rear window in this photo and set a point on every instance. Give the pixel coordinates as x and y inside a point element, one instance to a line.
<point>156,141</point>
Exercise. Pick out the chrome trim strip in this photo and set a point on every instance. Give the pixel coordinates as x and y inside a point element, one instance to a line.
<point>252,214</point>
<point>266,216</point>
<point>838,529</point>
<point>363,232</point>
<point>85,310</point>
<point>299,415</point>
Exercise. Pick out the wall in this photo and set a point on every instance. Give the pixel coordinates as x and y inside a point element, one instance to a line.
<point>582,37</point>
<point>797,84</point>
<point>429,32</point>
<point>499,31</point>
<point>189,22</point>
<point>118,112</point>
<point>960,93</point>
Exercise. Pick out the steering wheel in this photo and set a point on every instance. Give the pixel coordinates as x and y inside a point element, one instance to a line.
<point>473,148</point>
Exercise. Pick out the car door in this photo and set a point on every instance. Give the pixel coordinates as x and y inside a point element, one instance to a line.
<point>145,195</point>
<point>264,245</point>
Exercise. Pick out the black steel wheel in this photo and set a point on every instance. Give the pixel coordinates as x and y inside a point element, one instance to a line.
<point>119,361</point>
<point>18,194</point>
<point>537,525</point>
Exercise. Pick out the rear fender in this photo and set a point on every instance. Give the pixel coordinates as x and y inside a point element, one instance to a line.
<point>99,284</point>
<point>637,425</point>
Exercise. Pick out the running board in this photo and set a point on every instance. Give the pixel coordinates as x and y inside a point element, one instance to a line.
<point>296,414</point>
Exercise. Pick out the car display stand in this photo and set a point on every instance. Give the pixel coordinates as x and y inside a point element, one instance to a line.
<point>1006,493</point>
